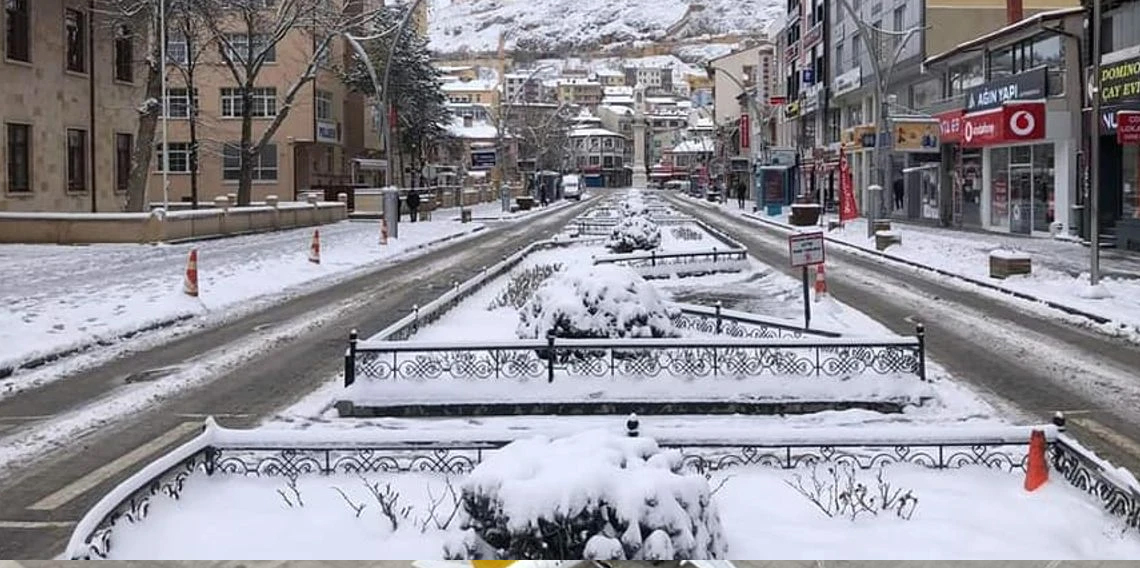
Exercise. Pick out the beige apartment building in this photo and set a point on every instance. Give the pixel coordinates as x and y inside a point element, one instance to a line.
<point>67,107</point>
<point>328,139</point>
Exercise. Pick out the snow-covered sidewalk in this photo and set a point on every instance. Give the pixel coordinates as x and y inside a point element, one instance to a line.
<point>59,298</point>
<point>1060,268</point>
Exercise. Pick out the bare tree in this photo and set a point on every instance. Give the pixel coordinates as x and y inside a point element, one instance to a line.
<point>247,34</point>
<point>189,31</point>
<point>543,133</point>
<point>142,18</point>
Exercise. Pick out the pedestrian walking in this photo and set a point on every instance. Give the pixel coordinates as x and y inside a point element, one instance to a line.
<point>413,205</point>
<point>900,192</point>
<point>741,194</point>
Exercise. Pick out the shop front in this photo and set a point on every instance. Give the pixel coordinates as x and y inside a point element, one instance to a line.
<point>1120,152</point>
<point>1027,156</point>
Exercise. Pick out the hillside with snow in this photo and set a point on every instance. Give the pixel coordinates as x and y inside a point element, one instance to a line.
<point>561,25</point>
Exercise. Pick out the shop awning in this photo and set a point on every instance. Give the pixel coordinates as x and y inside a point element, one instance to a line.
<point>371,164</point>
<point>914,169</point>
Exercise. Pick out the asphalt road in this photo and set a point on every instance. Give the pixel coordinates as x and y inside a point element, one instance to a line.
<point>43,499</point>
<point>1026,364</point>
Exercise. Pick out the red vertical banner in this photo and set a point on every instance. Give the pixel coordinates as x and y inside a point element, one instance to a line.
<point>745,131</point>
<point>848,209</point>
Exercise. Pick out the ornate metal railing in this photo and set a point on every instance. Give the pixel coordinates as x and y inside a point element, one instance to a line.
<point>596,358</point>
<point>652,264</point>
<point>219,452</point>
<point>718,321</point>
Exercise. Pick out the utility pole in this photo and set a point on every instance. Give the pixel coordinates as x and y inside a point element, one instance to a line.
<point>501,95</point>
<point>1094,152</point>
<point>165,110</point>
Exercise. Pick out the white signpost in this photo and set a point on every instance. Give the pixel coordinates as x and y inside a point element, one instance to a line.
<point>804,250</point>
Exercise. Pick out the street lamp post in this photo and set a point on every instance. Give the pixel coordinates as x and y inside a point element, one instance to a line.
<point>165,109</point>
<point>1094,152</point>
<point>881,104</point>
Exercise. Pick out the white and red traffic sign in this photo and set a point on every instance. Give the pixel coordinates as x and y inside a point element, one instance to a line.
<point>806,249</point>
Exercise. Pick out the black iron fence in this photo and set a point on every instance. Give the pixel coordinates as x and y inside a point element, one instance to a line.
<point>680,263</point>
<point>596,358</point>
<point>217,453</point>
<point>718,321</point>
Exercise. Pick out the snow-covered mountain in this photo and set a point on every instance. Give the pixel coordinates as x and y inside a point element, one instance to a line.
<point>455,25</point>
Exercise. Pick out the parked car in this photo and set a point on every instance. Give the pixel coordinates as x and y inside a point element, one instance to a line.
<point>572,187</point>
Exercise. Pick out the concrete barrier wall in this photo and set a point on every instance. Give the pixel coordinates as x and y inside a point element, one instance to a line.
<point>84,228</point>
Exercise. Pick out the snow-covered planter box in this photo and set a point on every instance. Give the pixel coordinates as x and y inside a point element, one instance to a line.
<point>595,495</point>
<point>634,233</point>
<point>1004,263</point>
<point>604,301</point>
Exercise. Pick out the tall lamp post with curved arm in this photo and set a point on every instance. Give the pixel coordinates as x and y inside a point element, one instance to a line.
<point>882,69</point>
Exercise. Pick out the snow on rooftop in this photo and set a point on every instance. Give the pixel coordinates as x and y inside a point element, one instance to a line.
<point>477,131</point>
<point>593,131</point>
<point>473,85</point>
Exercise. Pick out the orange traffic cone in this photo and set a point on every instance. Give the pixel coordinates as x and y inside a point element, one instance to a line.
<point>190,283</point>
<point>1036,469</point>
<point>820,283</point>
<point>383,231</point>
<point>315,248</point>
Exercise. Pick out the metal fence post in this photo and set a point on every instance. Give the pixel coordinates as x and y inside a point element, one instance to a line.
<point>1059,420</point>
<point>718,321</point>
<point>350,360</point>
<point>653,258</point>
<point>416,317</point>
<point>632,426</point>
<point>550,356</point>
<point>714,255</point>
<point>920,330</point>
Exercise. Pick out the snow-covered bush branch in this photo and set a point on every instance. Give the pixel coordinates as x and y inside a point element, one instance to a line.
<point>842,494</point>
<point>523,284</point>
<point>595,495</point>
<point>634,233</point>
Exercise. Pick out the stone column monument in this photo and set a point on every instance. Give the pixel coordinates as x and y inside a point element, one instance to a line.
<point>640,180</point>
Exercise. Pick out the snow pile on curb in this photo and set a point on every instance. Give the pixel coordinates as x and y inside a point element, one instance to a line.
<point>603,301</point>
<point>591,495</point>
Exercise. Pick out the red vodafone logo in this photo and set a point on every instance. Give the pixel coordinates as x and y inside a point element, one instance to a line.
<point>1022,123</point>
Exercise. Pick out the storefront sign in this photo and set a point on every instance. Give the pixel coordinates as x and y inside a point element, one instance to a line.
<point>915,135</point>
<point>1120,81</point>
<point>792,51</point>
<point>483,160</point>
<point>1029,85</point>
<point>792,109</point>
<point>1016,121</point>
<point>1128,127</point>
<point>327,132</point>
<point>950,124</point>
<point>864,136</point>
<point>745,132</point>
<point>811,98</point>
<point>813,36</point>
<point>847,82</point>
<point>809,76</point>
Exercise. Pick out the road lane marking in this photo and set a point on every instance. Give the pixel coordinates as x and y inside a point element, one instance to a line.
<point>34,525</point>
<point>93,479</point>
<point>1108,434</point>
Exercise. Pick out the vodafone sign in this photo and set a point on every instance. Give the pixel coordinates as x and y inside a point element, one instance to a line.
<point>1014,121</point>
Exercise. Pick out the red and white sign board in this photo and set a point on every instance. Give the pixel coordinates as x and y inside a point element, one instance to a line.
<point>745,131</point>
<point>1128,127</point>
<point>951,125</point>
<point>1016,121</point>
<point>806,249</point>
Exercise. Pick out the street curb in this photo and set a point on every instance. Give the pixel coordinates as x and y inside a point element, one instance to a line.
<point>1019,295</point>
<point>52,357</point>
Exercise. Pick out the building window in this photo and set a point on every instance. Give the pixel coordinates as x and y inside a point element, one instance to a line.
<point>18,42</point>
<point>76,160</point>
<point>840,64</point>
<point>124,148</point>
<point>856,51</point>
<point>965,75</point>
<point>75,26</point>
<point>179,103</point>
<point>900,18</point>
<point>324,104</point>
<point>264,102</point>
<point>19,158</point>
<point>833,119</point>
<point>264,163</point>
<point>239,45</point>
<point>124,55</point>
<point>1001,63</point>
<point>177,49</point>
<point>324,58</point>
<point>923,94</point>
<point>178,156</point>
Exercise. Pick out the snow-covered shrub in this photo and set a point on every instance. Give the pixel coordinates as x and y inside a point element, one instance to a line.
<point>634,206</point>
<point>596,302</point>
<point>634,233</point>
<point>840,493</point>
<point>594,495</point>
<point>684,233</point>
<point>522,285</point>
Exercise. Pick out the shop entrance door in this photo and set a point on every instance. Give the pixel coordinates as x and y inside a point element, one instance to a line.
<point>1021,199</point>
